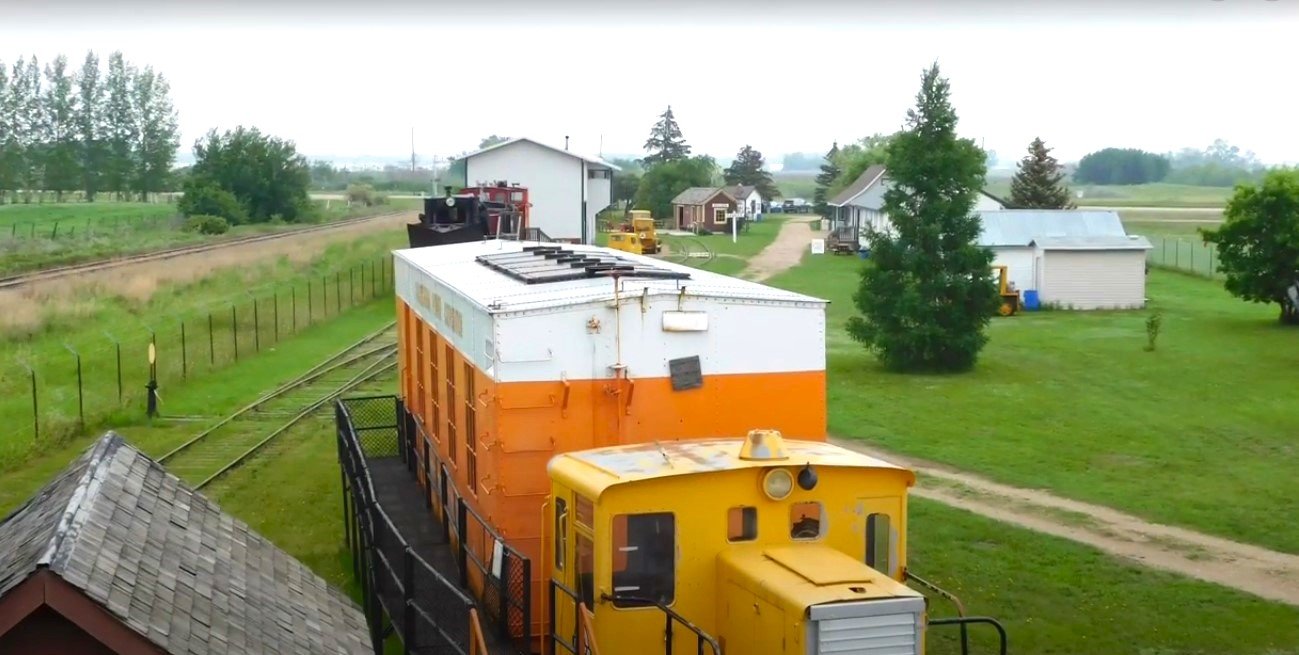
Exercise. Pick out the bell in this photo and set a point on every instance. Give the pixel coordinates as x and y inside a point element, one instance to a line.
<point>807,477</point>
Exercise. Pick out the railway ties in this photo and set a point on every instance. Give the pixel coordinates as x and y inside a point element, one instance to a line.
<point>234,439</point>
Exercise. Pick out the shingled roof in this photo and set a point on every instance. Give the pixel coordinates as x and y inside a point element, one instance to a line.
<point>864,181</point>
<point>699,195</point>
<point>170,565</point>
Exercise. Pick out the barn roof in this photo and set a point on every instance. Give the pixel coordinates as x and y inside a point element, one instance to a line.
<point>866,180</point>
<point>509,142</point>
<point>697,195</point>
<point>738,191</point>
<point>171,566</point>
<point>1019,227</point>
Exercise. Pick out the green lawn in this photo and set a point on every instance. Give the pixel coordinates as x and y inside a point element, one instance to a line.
<point>39,236</point>
<point>1199,433</point>
<point>728,258</point>
<point>199,328</point>
<point>1135,195</point>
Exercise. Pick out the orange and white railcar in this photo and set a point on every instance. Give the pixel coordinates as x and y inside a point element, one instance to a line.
<point>514,352</point>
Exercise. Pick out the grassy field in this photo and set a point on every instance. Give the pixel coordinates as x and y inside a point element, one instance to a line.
<point>728,258</point>
<point>1133,195</point>
<point>800,184</point>
<point>40,236</point>
<point>1199,433</point>
<point>225,313</point>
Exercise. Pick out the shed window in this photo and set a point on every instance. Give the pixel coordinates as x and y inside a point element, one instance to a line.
<point>742,524</point>
<point>719,215</point>
<point>644,555</point>
<point>805,521</point>
<point>878,537</point>
<point>561,532</point>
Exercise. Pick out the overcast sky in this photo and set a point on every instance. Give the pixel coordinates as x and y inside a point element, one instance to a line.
<point>352,79</point>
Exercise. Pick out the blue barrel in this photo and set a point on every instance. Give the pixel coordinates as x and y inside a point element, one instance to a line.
<point>1030,299</point>
<point>864,253</point>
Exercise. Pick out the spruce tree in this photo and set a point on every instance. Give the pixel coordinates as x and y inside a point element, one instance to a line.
<point>1039,183</point>
<point>749,169</point>
<point>927,293</point>
<point>665,142</point>
<point>829,173</point>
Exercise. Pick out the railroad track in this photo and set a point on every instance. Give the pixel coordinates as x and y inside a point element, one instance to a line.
<point>232,440</point>
<point>104,264</point>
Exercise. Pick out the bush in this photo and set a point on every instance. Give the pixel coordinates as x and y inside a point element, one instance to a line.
<point>204,198</point>
<point>207,224</point>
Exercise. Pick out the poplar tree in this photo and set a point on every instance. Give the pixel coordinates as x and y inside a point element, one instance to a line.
<point>1039,182</point>
<point>90,129</point>
<point>156,137</point>
<point>60,174</point>
<point>119,126</point>
<point>8,146</point>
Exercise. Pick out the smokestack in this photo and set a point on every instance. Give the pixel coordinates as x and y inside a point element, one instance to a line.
<point>565,142</point>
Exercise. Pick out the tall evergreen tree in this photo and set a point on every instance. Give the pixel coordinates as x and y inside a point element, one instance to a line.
<point>665,142</point>
<point>155,132</point>
<point>1039,182</point>
<point>928,293</point>
<point>829,172</point>
<point>61,172</point>
<point>749,169</point>
<point>119,126</point>
<point>90,128</point>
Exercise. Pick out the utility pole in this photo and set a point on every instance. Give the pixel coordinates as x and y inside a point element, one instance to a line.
<point>412,149</point>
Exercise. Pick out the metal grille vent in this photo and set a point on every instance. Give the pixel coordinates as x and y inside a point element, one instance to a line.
<point>542,264</point>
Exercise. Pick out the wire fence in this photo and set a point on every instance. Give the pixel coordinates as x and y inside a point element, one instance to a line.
<point>46,399</point>
<point>1187,255</point>
<point>88,227</point>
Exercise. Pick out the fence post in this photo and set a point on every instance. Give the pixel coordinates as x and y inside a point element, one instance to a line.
<point>234,328</point>
<point>81,402</point>
<point>211,343</point>
<point>324,296</point>
<point>276,315</point>
<point>257,329</point>
<point>338,292</point>
<point>293,293</point>
<point>54,233</point>
<point>1211,249</point>
<point>184,353</point>
<point>362,267</point>
<point>374,292</point>
<point>351,286</point>
<point>36,410</point>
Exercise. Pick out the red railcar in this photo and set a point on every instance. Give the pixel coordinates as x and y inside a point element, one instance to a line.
<point>486,211</point>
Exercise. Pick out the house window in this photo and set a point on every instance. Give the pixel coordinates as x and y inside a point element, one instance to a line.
<point>644,554</point>
<point>742,524</point>
<point>719,215</point>
<point>805,521</point>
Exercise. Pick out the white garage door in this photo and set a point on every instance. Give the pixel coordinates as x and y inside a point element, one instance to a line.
<point>1094,279</point>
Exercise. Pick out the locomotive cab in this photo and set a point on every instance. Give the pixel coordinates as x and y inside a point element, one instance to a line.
<point>754,545</point>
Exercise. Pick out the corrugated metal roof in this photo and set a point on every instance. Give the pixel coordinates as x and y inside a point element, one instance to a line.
<point>590,160</point>
<point>1019,227</point>
<point>457,267</point>
<point>863,182</point>
<point>699,195</point>
<point>1093,243</point>
<point>168,564</point>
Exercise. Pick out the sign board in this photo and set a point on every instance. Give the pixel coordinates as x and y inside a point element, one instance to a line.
<point>818,246</point>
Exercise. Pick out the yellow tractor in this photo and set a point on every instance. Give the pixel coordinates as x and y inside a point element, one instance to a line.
<point>638,237</point>
<point>1009,295</point>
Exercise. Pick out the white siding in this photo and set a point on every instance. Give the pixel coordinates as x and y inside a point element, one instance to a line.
<point>598,194</point>
<point>1019,264</point>
<point>1094,279</point>
<point>986,204</point>
<point>750,204</point>
<point>555,183</point>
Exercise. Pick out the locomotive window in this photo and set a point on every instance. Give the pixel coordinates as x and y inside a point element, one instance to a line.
<point>561,532</point>
<point>805,521</point>
<point>878,536</point>
<point>585,512</point>
<point>742,524</point>
<point>646,550</point>
<point>585,570</point>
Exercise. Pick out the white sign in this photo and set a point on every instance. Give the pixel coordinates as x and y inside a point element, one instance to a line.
<point>818,246</point>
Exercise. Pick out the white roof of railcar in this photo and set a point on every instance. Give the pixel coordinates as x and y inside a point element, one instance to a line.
<point>457,266</point>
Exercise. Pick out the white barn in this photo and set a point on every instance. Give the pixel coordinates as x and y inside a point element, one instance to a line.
<point>1073,259</point>
<point>861,204</point>
<point>747,199</point>
<point>566,189</point>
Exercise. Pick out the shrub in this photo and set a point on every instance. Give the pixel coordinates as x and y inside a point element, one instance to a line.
<point>1153,324</point>
<point>207,224</point>
<point>204,198</point>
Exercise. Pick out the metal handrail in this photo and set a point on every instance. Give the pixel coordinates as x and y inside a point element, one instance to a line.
<point>964,621</point>
<point>671,614</point>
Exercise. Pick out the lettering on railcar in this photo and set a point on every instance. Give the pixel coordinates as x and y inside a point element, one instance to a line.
<point>449,316</point>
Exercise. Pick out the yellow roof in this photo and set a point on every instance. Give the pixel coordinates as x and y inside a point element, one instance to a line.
<point>803,575</point>
<point>595,470</point>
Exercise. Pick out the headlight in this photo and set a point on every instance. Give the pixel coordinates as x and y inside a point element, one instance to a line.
<point>777,484</point>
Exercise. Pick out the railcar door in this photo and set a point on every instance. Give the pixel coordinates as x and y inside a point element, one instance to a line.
<point>882,550</point>
<point>572,566</point>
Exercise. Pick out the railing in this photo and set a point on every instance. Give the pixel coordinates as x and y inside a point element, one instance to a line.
<point>670,617</point>
<point>557,640</point>
<point>426,611</point>
<point>961,620</point>
<point>498,575</point>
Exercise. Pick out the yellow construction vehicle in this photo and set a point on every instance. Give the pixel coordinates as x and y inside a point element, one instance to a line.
<point>1009,295</point>
<point>638,236</point>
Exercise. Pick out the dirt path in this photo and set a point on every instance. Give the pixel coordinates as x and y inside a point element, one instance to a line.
<point>1259,571</point>
<point>783,253</point>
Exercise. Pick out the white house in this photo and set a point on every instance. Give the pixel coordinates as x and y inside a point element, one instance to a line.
<point>861,204</point>
<point>566,189</point>
<point>1071,258</point>
<point>747,199</point>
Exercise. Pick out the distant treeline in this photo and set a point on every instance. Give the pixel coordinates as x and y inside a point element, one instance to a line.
<point>1219,165</point>
<point>391,179</point>
<point>90,130</point>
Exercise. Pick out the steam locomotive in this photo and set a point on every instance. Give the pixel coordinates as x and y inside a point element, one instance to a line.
<point>487,211</point>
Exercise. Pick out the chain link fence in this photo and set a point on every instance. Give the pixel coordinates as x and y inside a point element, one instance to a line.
<point>1184,254</point>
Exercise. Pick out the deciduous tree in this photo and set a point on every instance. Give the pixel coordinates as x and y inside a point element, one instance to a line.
<point>662,183</point>
<point>60,145</point>
<point>156,132</point>
<point>88,117</point>
<point>749,169</point>
<point>1121,166</point>
<point>928,294</point>
<point>120,126</point>
<point>665,142</point>
<point>265,174</point>
<point>8,136</point>
<point>1258,245</point>
<point>1039,182</point>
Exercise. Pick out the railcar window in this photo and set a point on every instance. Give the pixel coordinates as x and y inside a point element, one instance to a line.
<point>585,512</point>
<point>742,524</point>
<point>585,570</point>
<point>561,532</point>
<point>878,536</point>
<point>646,550</point>
<point>451,404</point>
<point>806,520</point>
<point>471,430</point>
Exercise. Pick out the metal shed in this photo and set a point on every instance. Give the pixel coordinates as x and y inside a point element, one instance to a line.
<point>116,556</point>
